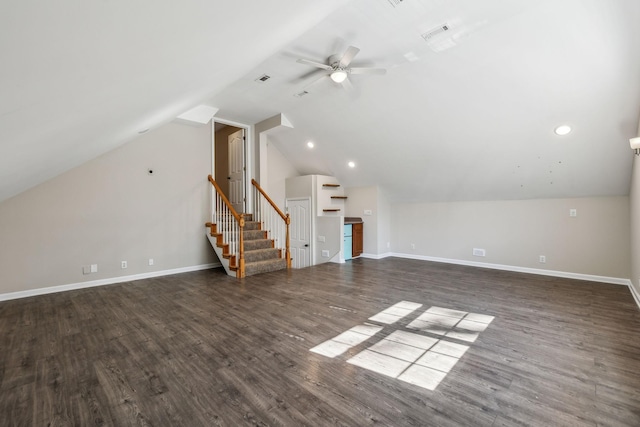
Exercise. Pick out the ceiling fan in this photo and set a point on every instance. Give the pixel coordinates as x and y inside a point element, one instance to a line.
<point>337,67</point>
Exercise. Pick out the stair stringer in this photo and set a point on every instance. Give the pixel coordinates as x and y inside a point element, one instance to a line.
<point>224,261</point>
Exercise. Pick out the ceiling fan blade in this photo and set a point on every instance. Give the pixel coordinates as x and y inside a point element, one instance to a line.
<point>314,63</point>
<point>317,80</point>
<point>348,56</point>
<point>312,74</point>
<point>379,71</point>
<point>347,85</point>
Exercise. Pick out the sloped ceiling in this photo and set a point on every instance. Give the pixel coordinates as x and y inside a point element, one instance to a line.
<point>80,78</point>
<point>472,122</point>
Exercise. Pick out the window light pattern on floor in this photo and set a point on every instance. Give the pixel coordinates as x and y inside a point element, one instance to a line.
<point>411,357</point>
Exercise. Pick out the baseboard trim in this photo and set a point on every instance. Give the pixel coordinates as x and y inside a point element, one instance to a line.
<point>553,273</point>
<point>636,295</point>
<point>104,282</point>
<point>374,256</point>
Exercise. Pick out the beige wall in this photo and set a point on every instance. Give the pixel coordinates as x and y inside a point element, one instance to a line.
<point>516,233</point>
<point>377,226</point>
<point>278,170</point>
<point>384,223</point>
<point>359,199</point>
<point>635,224</point>
<point>110,210</point>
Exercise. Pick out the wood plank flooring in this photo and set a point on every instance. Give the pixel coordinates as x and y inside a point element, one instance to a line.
<point>205,349</point>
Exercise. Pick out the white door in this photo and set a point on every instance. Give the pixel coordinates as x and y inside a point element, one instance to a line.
<point>300,232</point>
<point>236,170</point>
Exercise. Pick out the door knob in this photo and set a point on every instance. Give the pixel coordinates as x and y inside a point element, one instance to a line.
<point>306,246</point>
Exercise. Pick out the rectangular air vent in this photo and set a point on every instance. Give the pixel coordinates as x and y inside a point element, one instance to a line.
<point>263,78</point>
<point>435,31</point>
<point>395,3</point>
<point>301,94</point>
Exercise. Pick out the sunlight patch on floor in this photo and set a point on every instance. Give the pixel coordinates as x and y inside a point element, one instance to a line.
<point>412,357</point>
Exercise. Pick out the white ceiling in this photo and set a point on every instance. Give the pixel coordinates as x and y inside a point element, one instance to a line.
<point>472,122</point>
<point>80,78</point>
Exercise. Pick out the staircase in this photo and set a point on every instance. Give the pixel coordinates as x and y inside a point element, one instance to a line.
<point>249,244</point>
<point>260,255</point>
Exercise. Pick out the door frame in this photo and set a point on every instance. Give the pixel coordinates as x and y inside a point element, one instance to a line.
<point>248,158</point>
<point>312,246</point>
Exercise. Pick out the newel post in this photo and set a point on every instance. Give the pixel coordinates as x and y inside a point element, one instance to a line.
<point>287,250</point>
<point>241,271</point>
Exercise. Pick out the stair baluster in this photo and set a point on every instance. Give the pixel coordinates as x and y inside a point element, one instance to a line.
<point>273,219</point>
<point>229,226</point>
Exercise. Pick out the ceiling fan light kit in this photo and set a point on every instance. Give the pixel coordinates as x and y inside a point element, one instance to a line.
<point>339,76</point>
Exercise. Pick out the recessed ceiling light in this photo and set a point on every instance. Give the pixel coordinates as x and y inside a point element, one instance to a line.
<point>562,130</point>
<point>310,144</point>
<point>351,164</point>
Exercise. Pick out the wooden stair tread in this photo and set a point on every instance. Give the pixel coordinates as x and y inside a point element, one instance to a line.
<point>338,197</point>
<point>331,185</point>
<point>330,210</point>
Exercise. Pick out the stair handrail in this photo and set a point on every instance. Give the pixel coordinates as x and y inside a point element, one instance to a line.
<point>229,230</point>
<point>226,201</point>
<point>258,216</point>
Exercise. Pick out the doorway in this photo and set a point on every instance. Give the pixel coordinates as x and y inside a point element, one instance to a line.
<point>300,232</point>
<point>230,151</point>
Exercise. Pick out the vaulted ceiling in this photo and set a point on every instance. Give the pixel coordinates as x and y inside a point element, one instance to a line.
<point>468,115</point>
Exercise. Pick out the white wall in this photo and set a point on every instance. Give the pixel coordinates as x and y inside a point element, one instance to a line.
<point>516,233</point>
<point>323,196</point>
<point>110,210</point>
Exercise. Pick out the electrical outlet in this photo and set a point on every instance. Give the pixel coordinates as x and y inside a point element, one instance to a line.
<point>573,213</point>
<point>413,246</point>
<point>150,261</point>
<point>123,264</point>
<point>388,245</point>
<point>325,254</point>
<point>543,259</point>
<point>94,268</point>
<point>86,269</point>
<point>321,239</point>
<point>368,212</point>
<point>479,252</point>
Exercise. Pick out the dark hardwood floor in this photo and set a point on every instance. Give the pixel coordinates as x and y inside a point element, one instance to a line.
<point>205,349</point>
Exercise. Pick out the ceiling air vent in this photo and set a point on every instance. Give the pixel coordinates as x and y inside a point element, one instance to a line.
<point>395,3</point>
<point>442,37</point>
<point>301,94</point>
<point>434,32</point>
<point>263,78</point>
